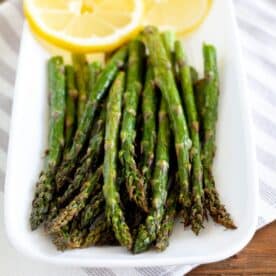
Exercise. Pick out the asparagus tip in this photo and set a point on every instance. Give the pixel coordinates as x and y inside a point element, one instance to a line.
<point>217,210</point>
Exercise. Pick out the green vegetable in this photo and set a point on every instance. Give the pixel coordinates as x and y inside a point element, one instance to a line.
<point>80,65</point>
<point>45,187</point>
<point>149,110</point>
<point>76,205</point>
<point>93,153</point>
<point>101,86</point>
<point>147,232</point>
<point>94,70</point>
<point>211,96</point>
<point>92,210</point>
<point>162,241</point>
<point>133,178</point>
<point>97,231</point>
<point>114,213</point>
<point>197,213</point>
<point>71,96</point>
<point>164,79</point>
<point>194,74</point>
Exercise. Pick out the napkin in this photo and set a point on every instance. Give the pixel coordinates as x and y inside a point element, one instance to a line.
<point>256,20</point>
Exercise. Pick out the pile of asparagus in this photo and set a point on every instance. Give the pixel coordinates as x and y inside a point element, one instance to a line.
<point>131,147</point>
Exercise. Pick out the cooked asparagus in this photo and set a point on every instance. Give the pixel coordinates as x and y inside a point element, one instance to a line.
<point>114,214</point>
<point>92,210</point>
<point>168,221</point>
<point>45,187</point>
<point>91,157</point>
<point>71,96</point>
<point>133,178</point>
<point>80,63</point>
<point>211,95</point>
<point>197,213</point>
<point>94,70</point>
<point>147,232</point>
<point>98,229</point>
<point>164,79</point>
<point>149,109</point>
<point>103,82</point>
<point>76,205</point>
<point>94,190</point>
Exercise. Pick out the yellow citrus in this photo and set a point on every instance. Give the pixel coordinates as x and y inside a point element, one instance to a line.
<point>85,25</point>
<point>181,16</point>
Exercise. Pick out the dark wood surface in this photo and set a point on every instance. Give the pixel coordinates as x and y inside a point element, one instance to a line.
<point>258,258</point>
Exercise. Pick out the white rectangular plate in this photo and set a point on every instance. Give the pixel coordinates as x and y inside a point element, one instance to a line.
<point>234,168</point>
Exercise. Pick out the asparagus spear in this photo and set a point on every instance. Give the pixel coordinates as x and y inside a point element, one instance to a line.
<point>199,97</point>
<point>149,108</point>
<point>211,95</point>
<point>168,221</point>
<point>103,82</point>
<point>164,78</point>
<point>60,238</point>
<point>77,238</point>
<point>168,39</point>
<point>114,214</point>
<point>72,94</point>
<point>91,157</point>
<point>92,210</point>
<point>76,205</point>
<point>133,178</point>
<point>147,233</point>
<point>69,236</point>
<point>197,213</point>
<point>80,63</point>
<point>45,187</point>
<point>94,69</point>
<point>194,74</point>
<point>96,232</point>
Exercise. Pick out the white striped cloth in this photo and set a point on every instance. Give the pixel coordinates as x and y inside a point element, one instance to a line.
<point>257,20</point>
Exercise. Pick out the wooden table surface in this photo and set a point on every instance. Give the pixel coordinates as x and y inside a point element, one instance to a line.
<point>258,258</point>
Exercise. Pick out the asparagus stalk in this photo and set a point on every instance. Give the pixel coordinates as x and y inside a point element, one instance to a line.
<point>168,39</point>
<point>194,74</point>
<point>45,187</point>
<point>103,82</point>
<point>69,237</point>
<point>149,108</point>
<point>94,69</point>
<point>76,205</point>
<point>211,95</point>
<point>134,180</point>
<point>95,234</point>
<point>197,213</point>
<point>164,79</point>
<point>60,238</point>
<point>147,233</point>
<point>77,238</point>
<point>162,241</point>
<point>114,213</point>
<point>72,94</point>
<point>92,210</point>
<point>93,152</point>
<point>199,97</point>
<point>80,63</point>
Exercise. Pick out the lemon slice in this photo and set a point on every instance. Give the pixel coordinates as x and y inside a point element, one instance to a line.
<point>181,16</point>
<point>85,25</point>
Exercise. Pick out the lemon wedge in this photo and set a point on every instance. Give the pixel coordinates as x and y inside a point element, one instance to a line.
<point>181,16</point>
<point>85,25</point>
